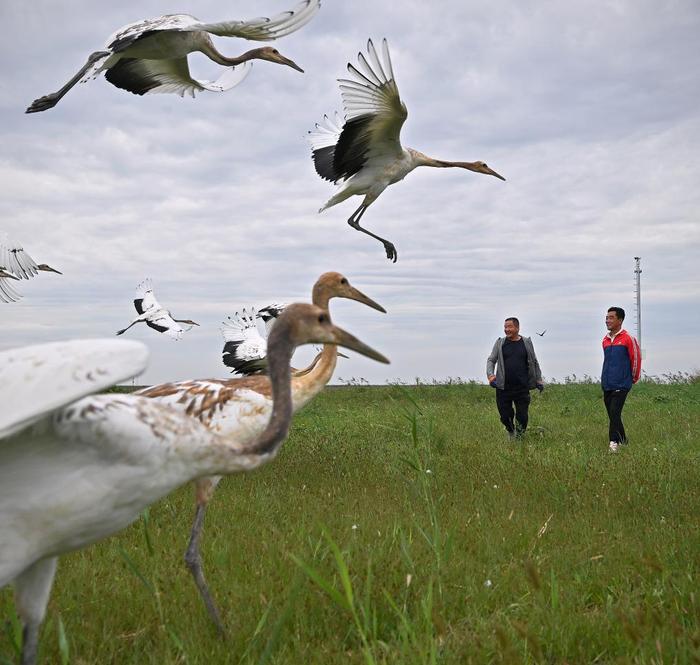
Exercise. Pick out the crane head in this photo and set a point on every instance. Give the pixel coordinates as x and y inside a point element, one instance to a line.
<point>334,285</point>
<point>481,167</point>
<point>273,55</point>
<point>303,323</point>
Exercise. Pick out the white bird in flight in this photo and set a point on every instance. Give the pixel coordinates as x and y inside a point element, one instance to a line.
<point>150,56</point>
<point>245,349</point>
<point>16,263</point>
<point>366,155</point>
<point>154,315</point>
<point>74,472</point>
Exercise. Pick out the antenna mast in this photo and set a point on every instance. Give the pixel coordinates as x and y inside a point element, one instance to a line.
<point>638,297</point>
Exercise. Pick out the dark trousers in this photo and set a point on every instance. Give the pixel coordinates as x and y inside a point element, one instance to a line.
<point>505,399</point>
<point>614,401</point>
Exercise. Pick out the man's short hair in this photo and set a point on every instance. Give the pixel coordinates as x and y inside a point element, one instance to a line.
<point>514,319</point>
<point>619,312</point>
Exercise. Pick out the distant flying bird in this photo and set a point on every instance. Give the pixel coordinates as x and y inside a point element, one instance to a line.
<point>7,293</point>
<point>150,56</point>
<point>15,259</point>
<point>542,333</point>
<point>154,315</point>
<point>245,349</point>
<point>74,472</point>
<point>366,155</point>
<point>240,407</point>
<point>16,263</point>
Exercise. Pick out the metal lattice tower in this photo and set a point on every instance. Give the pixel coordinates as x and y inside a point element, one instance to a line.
<point>638,297</point>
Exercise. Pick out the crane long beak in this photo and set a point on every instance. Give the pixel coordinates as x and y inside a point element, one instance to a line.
<point>489,171</point>
<point>46,268</point>
<point>345,339</point>
<point>356,294</point>
<point>290,63</point>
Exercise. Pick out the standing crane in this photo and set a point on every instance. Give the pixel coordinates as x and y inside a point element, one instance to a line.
<point>150,56</point>
<point>154,315</point>
<point>365,155</point>
<point>74,472</point>
<point>240,407</point>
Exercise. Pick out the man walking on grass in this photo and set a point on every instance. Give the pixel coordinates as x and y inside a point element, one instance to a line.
<point>518,372</point>
<point>622,367</point>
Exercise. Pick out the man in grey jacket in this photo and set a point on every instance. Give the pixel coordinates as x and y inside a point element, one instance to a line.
<point>518,372</point>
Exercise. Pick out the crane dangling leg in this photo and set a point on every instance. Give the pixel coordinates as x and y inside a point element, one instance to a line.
<point>123,330</point>
<point>354,221</point>
<point>193,559</point>
<point>32,589</point>
<point>49,101</point>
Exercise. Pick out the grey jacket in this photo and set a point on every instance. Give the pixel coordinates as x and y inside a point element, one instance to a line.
<point>533,367</point>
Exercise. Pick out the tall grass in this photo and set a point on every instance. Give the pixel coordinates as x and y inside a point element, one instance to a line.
<point>399,525</point>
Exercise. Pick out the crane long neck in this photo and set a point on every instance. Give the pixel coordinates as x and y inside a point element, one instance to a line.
<point>306,386</point>
<point>212,53</point>
<point>279,356</point>
<point>423,160</point>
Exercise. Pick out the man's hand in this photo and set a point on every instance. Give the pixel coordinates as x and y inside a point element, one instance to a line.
<point>492,380</point>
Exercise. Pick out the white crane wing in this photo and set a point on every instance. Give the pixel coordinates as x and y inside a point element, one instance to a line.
<point>145,300</point>
<point>128,34</point>
<point>371,98</point>
<point>164,323</point>
<point>36,380</point>
<point>172,75</point>
<point>374,115</point>
<point>7,293</point>
<point>14,259</point>
<point>266,29</point>
<point>245,349</point>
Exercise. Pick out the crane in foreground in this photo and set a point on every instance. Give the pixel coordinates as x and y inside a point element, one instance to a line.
<point>365,155</point>
<point>240,407</point>
<point>154,315</point>
<point>150,56</point>
<point>76,467</point>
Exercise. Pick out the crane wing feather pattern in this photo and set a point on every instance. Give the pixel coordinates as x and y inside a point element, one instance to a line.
<point>266,29</point>
<point>36,380</point>
<point>145,298</point>
<point>7,293</point>
<point>245,349</point>
<point>15,259</point>
<point>143,77</point>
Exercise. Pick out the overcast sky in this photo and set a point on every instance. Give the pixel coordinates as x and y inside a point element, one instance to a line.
<point>590,110</point>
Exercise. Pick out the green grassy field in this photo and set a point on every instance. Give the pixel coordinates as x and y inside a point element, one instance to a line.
<point>399,525</point>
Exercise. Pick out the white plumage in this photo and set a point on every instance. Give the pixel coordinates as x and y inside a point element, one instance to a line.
<point>154,315</point>
<point>365,155</point>
<point>150,56</point>
<point>245,349</point>
<point>16,263</point>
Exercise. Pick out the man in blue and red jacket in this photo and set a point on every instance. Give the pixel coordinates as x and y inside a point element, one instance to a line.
<point>622,367</point>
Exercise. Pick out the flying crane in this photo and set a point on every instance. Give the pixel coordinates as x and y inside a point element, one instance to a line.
<point>150,56</point>
<point>365,155</point>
